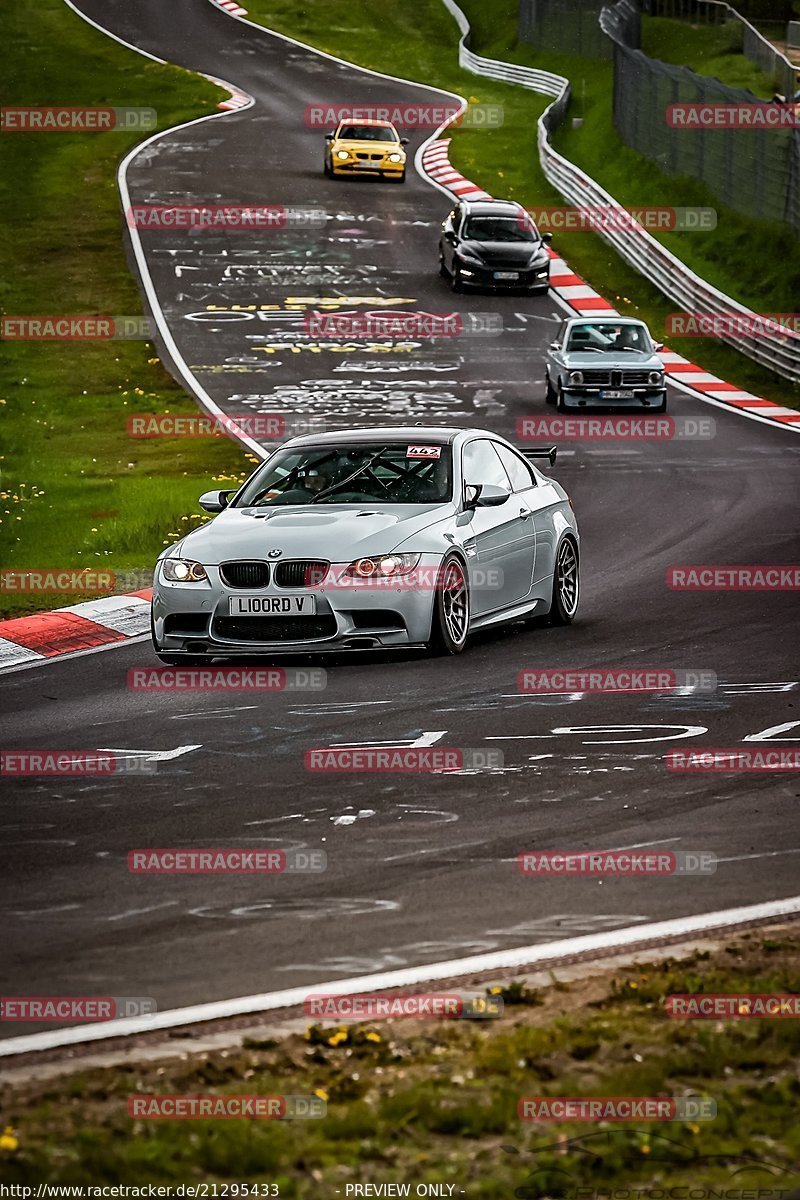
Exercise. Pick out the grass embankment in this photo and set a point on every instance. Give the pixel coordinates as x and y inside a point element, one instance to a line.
<point>419,42</point>
<point>436,1102</point>
<point>75,490</point>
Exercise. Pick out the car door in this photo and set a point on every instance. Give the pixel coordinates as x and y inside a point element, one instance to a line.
<point>451,224</point>
<point>555,354</point>
<point>541,498</point>
<point>501,543</point>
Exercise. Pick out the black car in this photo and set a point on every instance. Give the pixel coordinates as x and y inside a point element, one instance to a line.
<point>493,244</point>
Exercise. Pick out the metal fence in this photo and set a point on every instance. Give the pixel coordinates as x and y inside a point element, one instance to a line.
<point>755,172</point>
<point>563,27</point>
<point>635,245</point>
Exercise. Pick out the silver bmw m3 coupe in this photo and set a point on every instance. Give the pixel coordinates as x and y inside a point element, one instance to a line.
<point>395,537</point>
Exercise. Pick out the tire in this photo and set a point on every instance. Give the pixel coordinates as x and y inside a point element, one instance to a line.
<point>565,598</point>
<point>560,405</point>
<point>455,279</point>
<point>326,169</point>
<point>442,267</point>
<point>450,627</point>
<point>549,394</point>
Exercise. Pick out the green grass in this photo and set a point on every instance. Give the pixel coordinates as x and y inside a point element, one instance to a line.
<point>419,43</point>
<point>423,1102</point>
<point>75,490</point>
<point>714,50</point>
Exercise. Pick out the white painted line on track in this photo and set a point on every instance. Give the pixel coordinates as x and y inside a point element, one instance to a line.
<point>608,942</point>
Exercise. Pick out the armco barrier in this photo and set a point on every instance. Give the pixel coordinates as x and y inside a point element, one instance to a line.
<point>631,241</point>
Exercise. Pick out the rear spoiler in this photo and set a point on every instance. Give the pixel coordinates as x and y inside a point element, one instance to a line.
<point>548,452</point>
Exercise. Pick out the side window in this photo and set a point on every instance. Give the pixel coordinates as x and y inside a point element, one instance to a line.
<point>481,465</point>
<point>519,472</point>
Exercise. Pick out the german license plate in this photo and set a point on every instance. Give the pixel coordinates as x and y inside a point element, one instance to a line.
<point>616,394</point>
<point>272,606</point>
<point>506,274</point>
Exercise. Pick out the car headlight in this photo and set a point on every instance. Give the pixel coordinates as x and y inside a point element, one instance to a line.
<point>342,154</point>
<point>383,566</point>
<point>395,158</point>
<point>655,377</point>
<point>183,570</point>
<point>576,376</point>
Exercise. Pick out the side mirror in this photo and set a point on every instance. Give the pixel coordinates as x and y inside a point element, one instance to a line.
<point>658,347</point>
<point>472,493</point>
<point>547,237</point>
<point>403,141</point>
<point>329,137</point>
<point>450,235</point>
<point>555,345</point>
<point>214,502</point>
<point>491,496</point>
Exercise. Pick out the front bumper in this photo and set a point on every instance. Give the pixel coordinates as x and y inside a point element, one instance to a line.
<point>367,167</point>
<point>194,619</point>
<point>644,398</point>
<point>537,277</point>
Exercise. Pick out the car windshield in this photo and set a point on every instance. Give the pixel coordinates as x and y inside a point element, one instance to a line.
<point>368,133</point>
<point>607,338</point>
<point>501,229</point>
<point>396,473</point>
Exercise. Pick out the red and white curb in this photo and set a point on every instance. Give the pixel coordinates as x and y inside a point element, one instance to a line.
<point>577,293</point>
<point>237,99</point>
<point>89,626</point>
<point>230,6</point>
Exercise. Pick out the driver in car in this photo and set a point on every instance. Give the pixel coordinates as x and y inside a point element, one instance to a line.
<point>308,485</point>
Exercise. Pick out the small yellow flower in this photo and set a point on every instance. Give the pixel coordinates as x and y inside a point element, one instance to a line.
<point>321,1093</point>
<point>495,991</point>
<point>373,1037</point>
<point>337,1038</point>
<point>693,1128</point>
<point>8,1141</point>
<point>645,1149</point>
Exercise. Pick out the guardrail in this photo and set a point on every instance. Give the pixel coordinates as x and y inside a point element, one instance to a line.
<point>776,351</point>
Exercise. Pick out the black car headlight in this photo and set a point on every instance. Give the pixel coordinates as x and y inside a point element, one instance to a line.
<point>183,570</point>
<point>655,377</point>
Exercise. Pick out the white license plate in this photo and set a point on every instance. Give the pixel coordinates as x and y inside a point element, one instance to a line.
<point>272,606</point>
<point>506,274</point>
<point>616,394</point>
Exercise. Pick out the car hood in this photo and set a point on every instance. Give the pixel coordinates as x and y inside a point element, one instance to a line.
<point>508,252</point>
<point>333,533</point>
<point>641,360</point>
<point>352,144</point>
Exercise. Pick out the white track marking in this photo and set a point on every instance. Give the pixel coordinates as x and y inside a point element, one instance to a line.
<point>599,944</point>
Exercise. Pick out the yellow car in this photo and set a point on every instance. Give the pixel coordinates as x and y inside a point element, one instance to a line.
<point>366,148</point>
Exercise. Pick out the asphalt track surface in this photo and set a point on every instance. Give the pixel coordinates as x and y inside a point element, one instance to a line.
<point>420,867</point>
